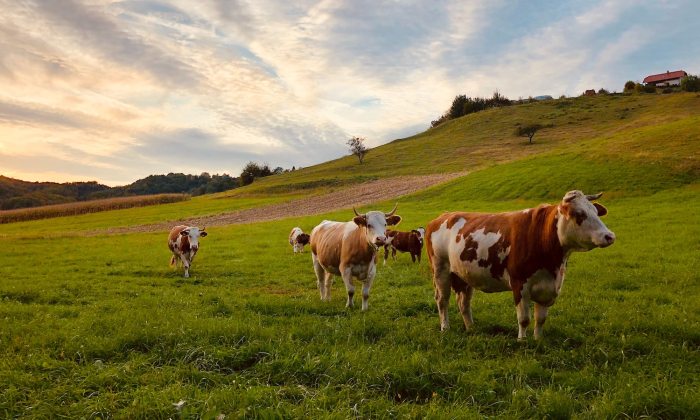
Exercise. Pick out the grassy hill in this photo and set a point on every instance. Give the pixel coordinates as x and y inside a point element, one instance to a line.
<point>100,326</point>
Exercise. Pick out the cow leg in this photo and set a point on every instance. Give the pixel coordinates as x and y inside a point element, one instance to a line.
<point>464,301</point>
<point>328,281</point>
<point>523,309</point>
<point>186,264</point>
<point>347,279</point>
<point>540,317</point>
<point>386,253</point>
<point>413,257</point>
<point>320,275</point>
<point>393,253</point>
<point>366,285</point>
<point>441,282</point>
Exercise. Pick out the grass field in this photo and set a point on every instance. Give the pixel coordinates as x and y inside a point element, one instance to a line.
<point>100,326</point>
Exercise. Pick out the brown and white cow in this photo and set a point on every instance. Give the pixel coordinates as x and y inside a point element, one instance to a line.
<point>183,242</point>
<point>411,242</point>
<point>297,239</point>
<point>524,251</point>
<point>349,249</point>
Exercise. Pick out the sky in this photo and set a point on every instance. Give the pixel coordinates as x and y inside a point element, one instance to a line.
<point>114,91</point>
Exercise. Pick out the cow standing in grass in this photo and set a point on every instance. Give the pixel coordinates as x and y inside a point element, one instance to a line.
<point>297,239</point>
<point>411,242</point>
<point>524,251</point>
<point>183,242</point>
<point>349,249</point>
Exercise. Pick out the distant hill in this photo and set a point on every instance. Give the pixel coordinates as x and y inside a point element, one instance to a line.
<point>15,193</point>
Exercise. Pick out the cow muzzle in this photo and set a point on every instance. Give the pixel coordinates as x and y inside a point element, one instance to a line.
<point>380,240</point>
<point>606,239</point>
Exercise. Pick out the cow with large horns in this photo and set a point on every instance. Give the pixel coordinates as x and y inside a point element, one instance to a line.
<point>349,250</point>
<point>524,252</point>
<point>183,242</point>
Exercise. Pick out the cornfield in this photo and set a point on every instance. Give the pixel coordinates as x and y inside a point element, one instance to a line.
<point>83,207</point>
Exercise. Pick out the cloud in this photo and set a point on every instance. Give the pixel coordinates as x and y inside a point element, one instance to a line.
<point>129,88</point>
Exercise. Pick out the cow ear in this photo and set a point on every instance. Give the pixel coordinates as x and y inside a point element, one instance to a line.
<point>185,233</point>
<point>415,231</point>
<point>602,211</point>
<point>203,234</point>
<point>393,220</point>
<point>360,220</point>
<point>564,210</point>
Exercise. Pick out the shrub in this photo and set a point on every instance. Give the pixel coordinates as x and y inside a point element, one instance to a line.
<point>690,83</point>
<point>630,86</point>
<point>645,88</point>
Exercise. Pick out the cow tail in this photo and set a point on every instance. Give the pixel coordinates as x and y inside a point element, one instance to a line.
<point>173,261</point>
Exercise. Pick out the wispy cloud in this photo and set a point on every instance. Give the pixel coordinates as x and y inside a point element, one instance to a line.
<point>116,90</point>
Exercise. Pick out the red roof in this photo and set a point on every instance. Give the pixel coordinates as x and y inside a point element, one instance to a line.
<point>665,76</point>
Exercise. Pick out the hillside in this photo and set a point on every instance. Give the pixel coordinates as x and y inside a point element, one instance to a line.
<point>16,194</point>
<point>657,130</point>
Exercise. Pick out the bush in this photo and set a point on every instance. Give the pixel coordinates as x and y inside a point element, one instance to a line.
<point>630,86</point>
<point>645,88</point>
<point>690,83</point>
<point>254,170</point>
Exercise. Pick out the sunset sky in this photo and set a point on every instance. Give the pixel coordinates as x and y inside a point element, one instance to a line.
<point>117,90</point>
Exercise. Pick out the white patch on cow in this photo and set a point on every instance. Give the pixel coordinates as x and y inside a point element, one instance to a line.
<point>543,287</point>
<point>442,238</point>
<point>526,211</point>
<point>484,241</point>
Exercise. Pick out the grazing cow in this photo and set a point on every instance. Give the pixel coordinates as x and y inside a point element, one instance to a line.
<point>524,251</point>
<point>349,249</point>
<point>411,242</point>
<point>297,238</point>
<point>183,242</point>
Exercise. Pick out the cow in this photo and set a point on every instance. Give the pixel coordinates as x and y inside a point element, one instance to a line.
<point>524,252</point>
<point>297,239</point>
<point>183,242</point>
<point>411,242</point>
<point>349,249</point>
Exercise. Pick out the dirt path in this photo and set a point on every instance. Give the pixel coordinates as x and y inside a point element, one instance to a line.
<point>356,195</point>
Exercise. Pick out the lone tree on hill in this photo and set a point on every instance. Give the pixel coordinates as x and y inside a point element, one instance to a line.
<point>528,130</point>
<point>357,147</point>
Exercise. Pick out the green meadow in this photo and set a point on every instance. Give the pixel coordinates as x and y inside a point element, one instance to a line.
<point>102,327</point>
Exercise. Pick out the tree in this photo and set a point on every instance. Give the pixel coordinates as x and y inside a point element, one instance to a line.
<point>528,130</point>
<point>254,170</point>
<point>357,147</point>
<point>690,83</point>
<point>630,86</point>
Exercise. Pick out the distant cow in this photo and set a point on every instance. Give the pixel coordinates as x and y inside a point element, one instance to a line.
<point>183,242</point>
<point>297,238</point>
<point>411,242</point>
<point>524,251</point>
<point>349,249</point>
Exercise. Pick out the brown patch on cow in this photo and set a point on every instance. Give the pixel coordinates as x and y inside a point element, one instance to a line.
<point>458,285</point>
<point>303,238</point>
<point>470,246</point>
<point>393,220</point>
<point>185,244</point>
<point>360,220</point>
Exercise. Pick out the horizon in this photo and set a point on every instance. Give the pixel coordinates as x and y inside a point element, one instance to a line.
<point>115,91</point>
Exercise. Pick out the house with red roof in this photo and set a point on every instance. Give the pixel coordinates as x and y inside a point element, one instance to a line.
<point>670,78</point>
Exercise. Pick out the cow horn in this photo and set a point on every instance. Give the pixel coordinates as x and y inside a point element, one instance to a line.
<point>391,213</point>
<point>203,229</point>
<point>356,213</point>
<point>594,196</point>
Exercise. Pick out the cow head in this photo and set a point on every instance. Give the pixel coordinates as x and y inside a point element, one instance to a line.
<point>420,231</point>
<point>579,226</point>
<point>376,223</point>
<point>193,234</point>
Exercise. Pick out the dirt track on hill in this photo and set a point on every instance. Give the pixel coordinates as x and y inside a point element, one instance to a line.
<point>355,195</point>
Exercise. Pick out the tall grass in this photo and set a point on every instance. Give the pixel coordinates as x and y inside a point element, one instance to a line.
<point>83,207</point>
